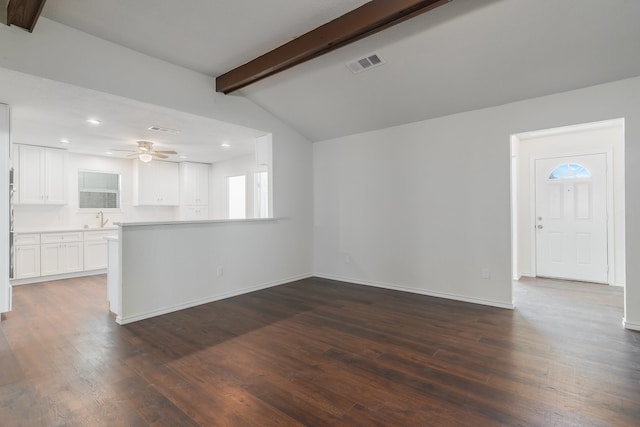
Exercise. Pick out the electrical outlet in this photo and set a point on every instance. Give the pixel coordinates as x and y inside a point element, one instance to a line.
<point>219,272</point>
<point>347,259</point>
<point>485,273</point>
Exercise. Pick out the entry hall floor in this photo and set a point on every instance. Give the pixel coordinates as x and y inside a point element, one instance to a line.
<point>321,353</point>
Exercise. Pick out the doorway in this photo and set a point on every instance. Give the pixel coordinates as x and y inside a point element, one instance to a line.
<point>594,240</point>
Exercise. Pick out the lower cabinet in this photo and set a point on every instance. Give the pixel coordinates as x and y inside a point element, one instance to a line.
<point>61,253</point>
<point>48,254</point>
<point>27,261</point>
<point>95,249</point>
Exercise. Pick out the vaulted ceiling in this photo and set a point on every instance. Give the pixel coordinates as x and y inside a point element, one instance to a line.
<point>464,55</point>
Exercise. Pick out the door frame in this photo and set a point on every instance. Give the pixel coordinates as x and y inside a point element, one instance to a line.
<point>609,206</point>
<point>5,162</point>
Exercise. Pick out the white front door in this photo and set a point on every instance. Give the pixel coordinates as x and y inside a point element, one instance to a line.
<point>571,217</point>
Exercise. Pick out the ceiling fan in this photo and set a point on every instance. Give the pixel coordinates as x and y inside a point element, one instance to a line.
<point>146,153</point>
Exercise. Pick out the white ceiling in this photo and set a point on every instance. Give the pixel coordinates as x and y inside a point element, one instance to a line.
<point>465,55</point>
<point>206,36</point>
<point>44,112</point>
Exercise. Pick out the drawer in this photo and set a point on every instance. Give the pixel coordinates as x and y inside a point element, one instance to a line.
<point>26,239</point>
<point>92,236</point>
<point>61,237</point>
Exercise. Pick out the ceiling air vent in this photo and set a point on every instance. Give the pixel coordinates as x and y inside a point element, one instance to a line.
<point>163,130</point>
<point>368,62</point>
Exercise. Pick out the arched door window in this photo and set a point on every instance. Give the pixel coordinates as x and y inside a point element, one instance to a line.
<point>570,171</point>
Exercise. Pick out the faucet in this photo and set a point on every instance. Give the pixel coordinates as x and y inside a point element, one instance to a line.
<point>102,220</point>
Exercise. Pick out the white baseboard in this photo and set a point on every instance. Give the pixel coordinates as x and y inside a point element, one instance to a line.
<point>136,317</point>
<point>40,279</point>
<point>630,325</point>
<point>436,294</point>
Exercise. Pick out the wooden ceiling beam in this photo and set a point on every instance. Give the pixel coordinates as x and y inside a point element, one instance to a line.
<point>368,19</point>
<point>24,13</point>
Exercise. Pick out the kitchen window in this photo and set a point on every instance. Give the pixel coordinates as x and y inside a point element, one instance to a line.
<point>98,190</point>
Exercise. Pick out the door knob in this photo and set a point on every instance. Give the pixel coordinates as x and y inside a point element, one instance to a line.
<point>540,226</point>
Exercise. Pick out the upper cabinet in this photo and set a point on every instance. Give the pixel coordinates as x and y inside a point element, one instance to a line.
<point>194,184</point>
<point>156,183</point>
<point>41,173</point>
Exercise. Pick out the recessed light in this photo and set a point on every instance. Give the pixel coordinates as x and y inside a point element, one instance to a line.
<point>183,157</point>
<point>225,145</point>
<point>94,121</point>
<point>64,141</point>
<point>108,153</point>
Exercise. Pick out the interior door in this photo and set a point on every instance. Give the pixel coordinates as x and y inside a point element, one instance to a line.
<point>571,217</point>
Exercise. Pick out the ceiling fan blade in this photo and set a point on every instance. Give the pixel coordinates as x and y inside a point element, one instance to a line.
<point>118,149</point>
<point>165,152</point>
<point>158,155</point>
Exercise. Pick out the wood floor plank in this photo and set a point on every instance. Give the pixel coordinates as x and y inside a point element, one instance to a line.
<point>317,352</point>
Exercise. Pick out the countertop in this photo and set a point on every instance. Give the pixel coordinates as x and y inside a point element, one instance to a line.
<point>62,229</point>
<point>195,222</point>
<point>114,227</point>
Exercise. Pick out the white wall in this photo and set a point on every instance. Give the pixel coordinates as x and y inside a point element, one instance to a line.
<point>45,217</point>
<point>426,206</point>
<point>608,139</point>
<point>60,53</point>
<point>166,268</point>
<point>408,207</point>
<point>220,171</point>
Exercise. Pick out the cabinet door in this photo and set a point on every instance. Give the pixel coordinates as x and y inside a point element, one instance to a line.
<point>95,255</point>
<point>30,175</point>
<point>194,184</point>
<point>41,175</point>
<point>54,177</point>
<point>168,183</point>
<point>27,261</point>
<point>144,188</point>
<point>73,258</point>
<point>51,258</point>
<point>156,183</point>
<point>202,179</point>
<point>194,213</point>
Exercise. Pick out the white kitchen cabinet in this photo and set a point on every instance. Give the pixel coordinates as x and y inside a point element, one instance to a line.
<point>156,183</point>
<point>41,174</point>
<point>95,249</point>
<point>61,253</point>
<point>26,256</point>
<point>194,184</point>
<point>194,213</point>
<point>264,149</point>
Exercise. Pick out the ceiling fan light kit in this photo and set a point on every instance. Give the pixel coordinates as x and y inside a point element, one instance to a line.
<point>145,152</point>
<point>145,157</point>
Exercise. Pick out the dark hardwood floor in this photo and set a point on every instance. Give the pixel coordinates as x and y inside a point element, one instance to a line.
<point>321,353</point>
